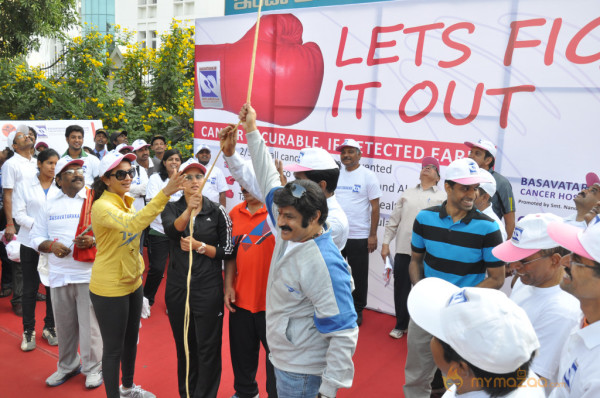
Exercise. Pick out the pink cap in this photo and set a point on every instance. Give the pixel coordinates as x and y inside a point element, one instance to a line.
<point>591,179</point>
<point>112,160</point>
<point>428,160</point>
<point>573,238</point>
<point>529,236</point>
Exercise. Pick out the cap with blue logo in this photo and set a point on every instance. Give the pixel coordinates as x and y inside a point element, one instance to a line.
<point>313,159</point>
<point>348,142</point>
<point>465,171</point>
<point>529,237</point>
<point>486,145</point>
<point>483,326</point>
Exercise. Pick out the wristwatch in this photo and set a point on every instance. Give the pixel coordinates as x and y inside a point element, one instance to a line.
<point>202,248</point>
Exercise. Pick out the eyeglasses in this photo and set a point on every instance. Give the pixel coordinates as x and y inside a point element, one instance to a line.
<point>190,177</point>
<point>578,264</point>
<point>430,167</point>
<point>296,190</point>
<point>121,174</point>
<point>78,171</point>
<point>531,261</point>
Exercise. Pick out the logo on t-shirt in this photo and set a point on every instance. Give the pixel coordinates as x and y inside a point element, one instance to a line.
<point>570,373</point>
<point>356,188</point>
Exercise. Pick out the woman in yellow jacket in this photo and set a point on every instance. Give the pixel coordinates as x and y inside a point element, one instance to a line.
<point>116,283</point>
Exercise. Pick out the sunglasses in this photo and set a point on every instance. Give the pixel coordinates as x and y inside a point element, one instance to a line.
<point>78,171</point>
<point>296,190</point>
<point>190,177</point>
<point>122,174</point>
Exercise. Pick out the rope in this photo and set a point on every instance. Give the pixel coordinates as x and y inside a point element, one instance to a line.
<point>186,318</point>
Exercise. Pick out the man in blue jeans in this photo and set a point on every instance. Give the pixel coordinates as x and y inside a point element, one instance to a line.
<point>310,316</point>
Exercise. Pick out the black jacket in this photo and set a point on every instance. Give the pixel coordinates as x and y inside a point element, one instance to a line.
<point>211,226</point>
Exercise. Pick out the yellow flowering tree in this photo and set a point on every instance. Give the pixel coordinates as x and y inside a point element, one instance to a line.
<point>152,92</point>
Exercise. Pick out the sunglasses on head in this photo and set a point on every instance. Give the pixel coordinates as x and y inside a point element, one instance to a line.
<point>296,190</point>
<point>190,177</point>
<point>121,174</point>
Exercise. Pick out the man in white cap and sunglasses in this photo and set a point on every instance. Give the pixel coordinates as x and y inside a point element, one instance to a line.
<point>536,259</point>
<point>454,242</point>
<point>484,152</point>
<point>579,370</point>
<point>54,232</point>
<point>481,340</point>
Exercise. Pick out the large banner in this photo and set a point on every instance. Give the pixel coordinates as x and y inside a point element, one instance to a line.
<point>414,79</point>
<point>52,132</point>
<point>244,6</point>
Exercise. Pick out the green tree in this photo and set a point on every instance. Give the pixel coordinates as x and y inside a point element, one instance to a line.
<point>23,22</point>
<point>151,93</point>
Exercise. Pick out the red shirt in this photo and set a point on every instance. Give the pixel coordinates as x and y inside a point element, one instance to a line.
<point>254,244</point>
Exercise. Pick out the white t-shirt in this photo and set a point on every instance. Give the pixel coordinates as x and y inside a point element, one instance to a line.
<point>138,186</point>
<point>17,168</point>
<point>488,211</point>
<point>531,388</point>
<point>553,314</point>
<point>572,220</point>
<point>338,221</point>
<point>354,192</point>
<point>215,184</point>
<point>579,370</point>
<point>155,184</point>
<point>58,221</point>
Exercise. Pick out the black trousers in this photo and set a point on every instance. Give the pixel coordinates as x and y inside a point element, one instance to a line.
<point>31,285</point>
<point>357,254</point>
<point>204,337</point>
<point>6,278</point>
<point>158,254</point>
<point>402,288</point>
<point>119,322</point>
<point>247,331</point>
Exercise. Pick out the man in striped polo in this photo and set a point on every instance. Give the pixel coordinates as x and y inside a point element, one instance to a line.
<point>454,242</point>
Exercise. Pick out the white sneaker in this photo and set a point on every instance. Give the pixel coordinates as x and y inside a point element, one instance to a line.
<point>397,333</point>
<point>28,342</point>
<point>146,309</point>
<point>135,392</point>
<point>93,380</point>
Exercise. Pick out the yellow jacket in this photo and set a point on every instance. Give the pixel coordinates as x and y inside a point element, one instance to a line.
<point>117,227</point>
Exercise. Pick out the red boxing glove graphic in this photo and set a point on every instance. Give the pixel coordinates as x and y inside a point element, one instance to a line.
<point>287,75</point>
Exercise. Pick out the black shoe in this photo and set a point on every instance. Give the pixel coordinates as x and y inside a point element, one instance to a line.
<point>5,292</point>
<point>18,309</point>
<point>40,297</point>
<point>359,318</point>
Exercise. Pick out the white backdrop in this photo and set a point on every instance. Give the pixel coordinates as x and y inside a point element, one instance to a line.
<point>52,132</point>
<point>420,65</point>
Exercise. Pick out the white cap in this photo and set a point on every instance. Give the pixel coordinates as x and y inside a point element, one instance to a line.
<point>190,164</point>
<point>586,242</point>
<point>485,145</point>
<point>21,128</point>
<point>13,250</point>
<point>313,159</point>
<point>465,171</point>
<point>138,144</point>
<point>112,160</point>
<point>482,325</point>
<point>122,146</point>
<point>529,236</point>
<point>64,162</point>
<point>488,186</point>
<point>348,142</point>
<point>201,147</point>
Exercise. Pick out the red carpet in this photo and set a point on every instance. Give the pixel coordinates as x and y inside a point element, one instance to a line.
<point>379,360</point>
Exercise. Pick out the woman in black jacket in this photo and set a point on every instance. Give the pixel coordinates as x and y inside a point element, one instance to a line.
<point>211,242</point>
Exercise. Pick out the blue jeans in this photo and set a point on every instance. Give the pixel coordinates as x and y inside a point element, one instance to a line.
<point>297,385</point>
